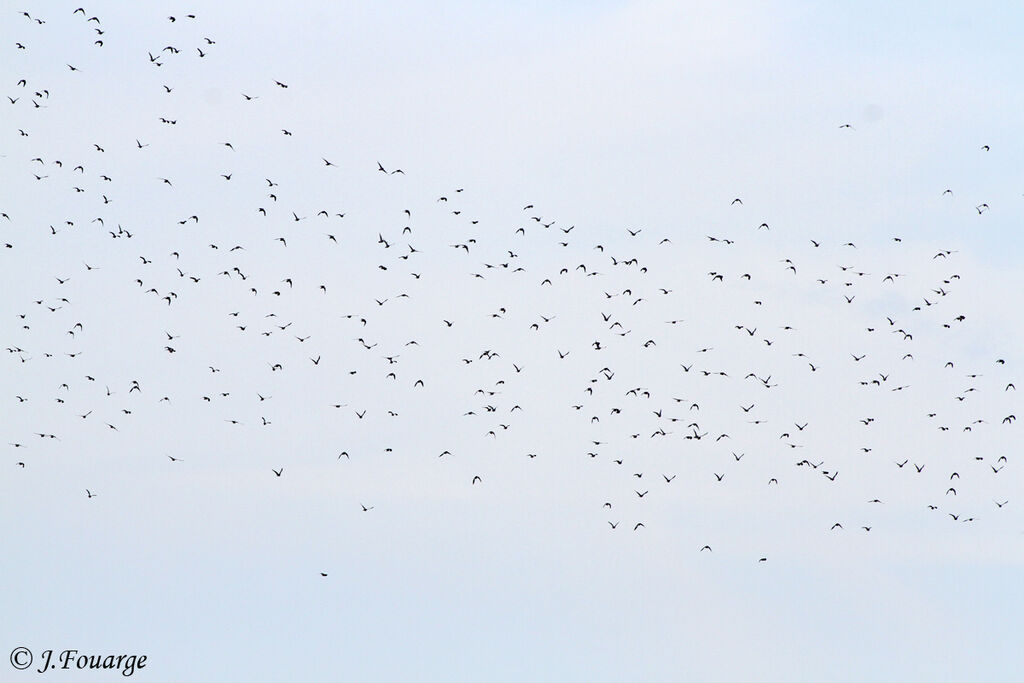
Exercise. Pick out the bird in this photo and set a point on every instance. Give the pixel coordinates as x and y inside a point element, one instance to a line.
<point>518,283</point>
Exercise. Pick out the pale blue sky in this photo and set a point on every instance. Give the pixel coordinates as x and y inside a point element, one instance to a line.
<point>605,116</point>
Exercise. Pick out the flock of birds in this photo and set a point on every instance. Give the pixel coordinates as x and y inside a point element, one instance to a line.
<point>519,339</point>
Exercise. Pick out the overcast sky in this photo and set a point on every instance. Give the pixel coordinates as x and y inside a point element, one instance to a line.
<point>465,398</point>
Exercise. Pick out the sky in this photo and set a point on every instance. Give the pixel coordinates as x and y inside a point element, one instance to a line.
<point>467,373</point>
